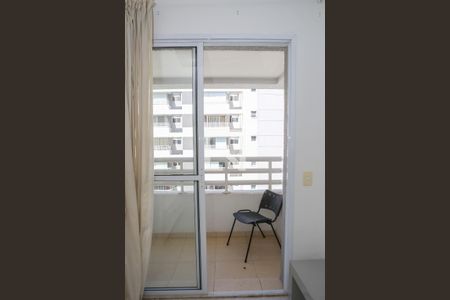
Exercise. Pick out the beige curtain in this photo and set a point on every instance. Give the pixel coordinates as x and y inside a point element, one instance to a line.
<point>138,145</point>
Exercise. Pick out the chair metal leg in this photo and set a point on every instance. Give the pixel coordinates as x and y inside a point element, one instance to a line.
<point>232,227</point>
<point>275,234</point>
<point>249,242</point>
<point>260,230</point>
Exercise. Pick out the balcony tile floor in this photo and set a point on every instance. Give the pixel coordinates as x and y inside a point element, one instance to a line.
<point>172,263</point>
<point>230,273</point>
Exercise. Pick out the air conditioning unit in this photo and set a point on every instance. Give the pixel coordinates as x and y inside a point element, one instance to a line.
<point>234,99</point>
<point>235,122</point>
<point>235,145</point>
<point>176,123</point>
<point>177,146</point>
<point>174,100</point>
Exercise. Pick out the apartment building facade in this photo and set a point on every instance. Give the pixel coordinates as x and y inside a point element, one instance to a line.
<point>243,129</point>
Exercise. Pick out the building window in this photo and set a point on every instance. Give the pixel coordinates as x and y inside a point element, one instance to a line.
<point>234,141</point>
<point>177,146</point>
<point>253,113</point>
<point>234,119</point>
<point>234,146</point>
<point>174,100</point>
<point>176,123</point>
<point>210,143</point>
<point>219,143</point>
<point>233,96</point>
<point>160,121</point>
<point>253,138</point>
<point>234,99</point>
<point>235,122</point>
<point>253,186</point>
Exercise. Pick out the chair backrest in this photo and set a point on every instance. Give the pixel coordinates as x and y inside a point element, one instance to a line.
<point>271,201</point>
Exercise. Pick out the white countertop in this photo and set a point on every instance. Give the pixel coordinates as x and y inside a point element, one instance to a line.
<point>310,277</point>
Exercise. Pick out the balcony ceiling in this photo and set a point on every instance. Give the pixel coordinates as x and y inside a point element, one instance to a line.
<point>223,68</point>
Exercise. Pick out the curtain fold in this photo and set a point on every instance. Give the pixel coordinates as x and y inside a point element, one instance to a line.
<point>138,145</point>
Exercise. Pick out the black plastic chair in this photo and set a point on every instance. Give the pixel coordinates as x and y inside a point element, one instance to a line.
<point>271,201</point>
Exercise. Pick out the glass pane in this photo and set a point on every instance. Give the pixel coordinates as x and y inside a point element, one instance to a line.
<point>244,110</point>
<point>173,108</point>
<point>173,258</point>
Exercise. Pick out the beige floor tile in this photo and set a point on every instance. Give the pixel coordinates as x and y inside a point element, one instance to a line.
<point>167,249</point>
<point>211,241</point>
<point>269,241</point>
<point>184,275</point>
<point>235,251</point>
<point>230,255</point>
<point>173,263</point>
<point>222,241</point>
<point>211,269</point>
<point>211,275</point>
<point>188,253</point>
<point>260,249</point>
<point>158,273</point>
<point>224,285</point>
<point>211,282</point>
<point>271,283</point>
<point>190,242</point>
<point>268,269</point>
<point>157,284</point>
<point>185,271</point>
<point>234,270</point>
<point>211,252</point>
<point>264,252</point>
<point>247,284</point>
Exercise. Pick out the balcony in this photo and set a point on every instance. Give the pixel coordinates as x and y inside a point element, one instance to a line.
<point>174,100</point>
<point>257,172</point>
<point>234,100</point>
<point>234,145</point>
<point>173,228</point>
<point>176,124</point>
<point>235,122</point>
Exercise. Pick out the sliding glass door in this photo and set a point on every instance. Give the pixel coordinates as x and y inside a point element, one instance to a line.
<point>220,111</point>
<point>178,231</point>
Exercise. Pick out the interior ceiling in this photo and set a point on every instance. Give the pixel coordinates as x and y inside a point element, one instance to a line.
<point>222,68</point>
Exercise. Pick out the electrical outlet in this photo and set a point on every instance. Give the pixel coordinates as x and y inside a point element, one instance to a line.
<point>307,178</point>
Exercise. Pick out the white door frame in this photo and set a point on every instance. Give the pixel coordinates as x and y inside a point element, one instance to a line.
<point>288,41</point>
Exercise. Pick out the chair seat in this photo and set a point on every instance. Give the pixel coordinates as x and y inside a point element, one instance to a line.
<point>249,217</point>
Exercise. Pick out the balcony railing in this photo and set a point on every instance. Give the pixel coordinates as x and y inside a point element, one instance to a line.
<point>227,166</point>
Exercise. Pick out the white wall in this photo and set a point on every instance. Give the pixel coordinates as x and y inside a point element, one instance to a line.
<point>305,19</point>
<point>220,208</point>
<point>174,212</point>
